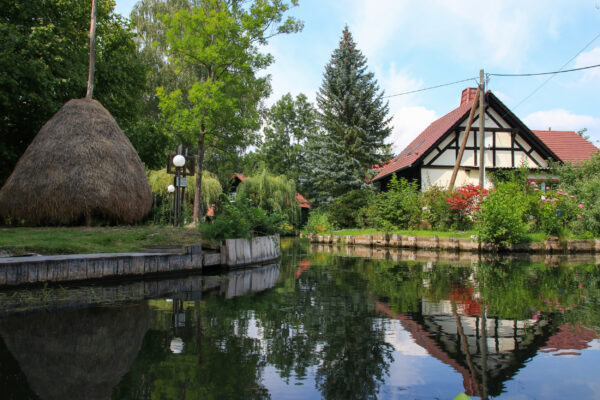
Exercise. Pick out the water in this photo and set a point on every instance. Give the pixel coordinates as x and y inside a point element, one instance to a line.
<point>325,323</point>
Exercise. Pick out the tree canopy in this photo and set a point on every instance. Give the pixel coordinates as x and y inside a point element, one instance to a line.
<point>217,44</point>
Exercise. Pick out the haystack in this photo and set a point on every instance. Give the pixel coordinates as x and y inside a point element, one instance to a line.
<point>79,167</point>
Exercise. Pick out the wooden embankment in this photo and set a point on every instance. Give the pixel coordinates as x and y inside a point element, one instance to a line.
<point>62,268</point>
<point>549,246</point>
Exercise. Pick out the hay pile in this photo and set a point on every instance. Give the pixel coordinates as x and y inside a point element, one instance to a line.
<point>79,167</point>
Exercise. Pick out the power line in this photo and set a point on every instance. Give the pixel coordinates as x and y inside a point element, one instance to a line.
<point>548,73</point>
<point>429,88</point>
<point>560,70</point>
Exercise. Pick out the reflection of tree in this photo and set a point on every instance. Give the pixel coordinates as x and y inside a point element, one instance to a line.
<point>219,361</point>
<point>327,319</point>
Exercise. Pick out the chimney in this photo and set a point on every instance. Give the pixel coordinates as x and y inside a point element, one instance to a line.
<point>467,95</point>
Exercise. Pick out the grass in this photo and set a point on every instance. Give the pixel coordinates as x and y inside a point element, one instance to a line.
<point>349,232</point>
<point>82,240</point>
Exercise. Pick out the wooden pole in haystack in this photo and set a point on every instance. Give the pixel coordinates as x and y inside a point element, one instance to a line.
<point>90,82</point>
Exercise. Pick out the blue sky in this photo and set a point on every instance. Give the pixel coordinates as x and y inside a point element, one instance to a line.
<point>413,44</point>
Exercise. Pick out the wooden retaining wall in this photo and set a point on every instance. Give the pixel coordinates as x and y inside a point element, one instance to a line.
<point>458,244</point>
<point>40,269</point>
<point>237,252</point>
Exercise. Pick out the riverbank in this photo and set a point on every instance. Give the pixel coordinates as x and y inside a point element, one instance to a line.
<point>549,245</point>
<point>84,240</point>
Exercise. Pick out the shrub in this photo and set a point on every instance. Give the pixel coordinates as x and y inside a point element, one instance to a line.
<point>465,203</point>
<point>398,208</point>
<point>552,212</point>
<point>347,211</point>
<point>318,222</point>
<point>500,219</point>
<point>435,208</point>
<point>583,181</point>
<point>240,220</point>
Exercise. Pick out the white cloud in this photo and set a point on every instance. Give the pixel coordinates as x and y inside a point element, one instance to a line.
<point>588,58</point>
<point>560,119</point>
<point>408,123</point>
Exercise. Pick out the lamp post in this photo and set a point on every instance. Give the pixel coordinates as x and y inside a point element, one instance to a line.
<point>180,184</point>
<point>180,167</point>
<point>171,189</point>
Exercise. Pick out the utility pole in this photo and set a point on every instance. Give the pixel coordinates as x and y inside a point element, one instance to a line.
<point>481,130</point>
<point>90,83</point>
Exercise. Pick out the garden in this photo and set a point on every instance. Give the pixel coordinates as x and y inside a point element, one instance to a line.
<point>517,209</point>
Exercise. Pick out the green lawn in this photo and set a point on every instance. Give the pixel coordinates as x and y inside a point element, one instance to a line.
<point>82,240</point>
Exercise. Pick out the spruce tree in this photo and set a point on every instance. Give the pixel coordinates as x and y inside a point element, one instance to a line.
<point>354,120</point>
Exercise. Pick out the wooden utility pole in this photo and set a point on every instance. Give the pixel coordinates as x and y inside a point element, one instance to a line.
<point>463,144</point>
<point>90,82</point>
<point>481,130</point>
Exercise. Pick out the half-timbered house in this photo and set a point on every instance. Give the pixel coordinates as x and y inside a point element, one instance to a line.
<point>509,143</point>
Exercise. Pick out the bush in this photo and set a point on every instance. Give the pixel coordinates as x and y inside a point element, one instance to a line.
<point>347,211</point>
<point>398,208</point>
<point>318,222</point>
<point>552,212</point>
<point>464,203</point>
<point>500,219</point>
<point>240,220</point>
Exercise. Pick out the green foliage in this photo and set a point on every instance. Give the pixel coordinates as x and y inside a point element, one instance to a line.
<point>211,188</point>
<point>44,48</point>
<point>583,182</point>
<point>287,125</point>
<point>355,122</point>
<point>436,211</point>
<point>274,194</point>
<point>216,45</point>
<point>501,217</point>
<point>397,208</point>
<point>349,210</point>
<point>319,222</point>
<point>551,212</point>
<point>241,220</point>
<point>515,175</point>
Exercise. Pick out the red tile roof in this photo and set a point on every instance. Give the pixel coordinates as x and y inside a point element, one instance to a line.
<point>241,177</point>
<point>567,145</point>
<point>425,140</point>
<point>303,202</point>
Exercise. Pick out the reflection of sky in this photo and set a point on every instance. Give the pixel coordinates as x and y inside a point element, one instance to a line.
<point>414,374</point>
<point>294,388</point>
<point>558,377</point>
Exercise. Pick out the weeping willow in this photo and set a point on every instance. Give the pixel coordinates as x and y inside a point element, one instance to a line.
<point>211,188</point>
<point>272,193</point>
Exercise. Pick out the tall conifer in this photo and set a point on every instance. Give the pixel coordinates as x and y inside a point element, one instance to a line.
<point>354,120</point>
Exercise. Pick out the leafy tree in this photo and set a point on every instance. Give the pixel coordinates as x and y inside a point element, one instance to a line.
<point>272,193</point>
<point>44,62</point>
<point>347,211</point>
<point>287,125</point>
<point>355,124</point>
<point>216,43</point>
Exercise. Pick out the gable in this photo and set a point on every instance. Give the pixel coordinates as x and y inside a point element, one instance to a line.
<point>508,142</point>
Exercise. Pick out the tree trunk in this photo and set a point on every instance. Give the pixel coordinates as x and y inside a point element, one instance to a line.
<point>198,212</point>
<point>90,83</point>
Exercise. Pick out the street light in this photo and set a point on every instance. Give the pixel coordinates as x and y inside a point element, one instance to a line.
<point>181,168</point>
<point>179,161</point>
<point>171,189</point>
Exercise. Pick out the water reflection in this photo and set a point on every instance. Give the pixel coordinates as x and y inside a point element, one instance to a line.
<point>328,323</point>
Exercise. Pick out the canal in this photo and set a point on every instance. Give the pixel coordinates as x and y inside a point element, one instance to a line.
<point>325,322</point>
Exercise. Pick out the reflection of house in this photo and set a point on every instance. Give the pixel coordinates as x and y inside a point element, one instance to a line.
<point>508,143</point>
<point>486,351</point>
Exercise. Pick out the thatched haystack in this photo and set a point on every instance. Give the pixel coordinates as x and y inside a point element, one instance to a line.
<point>79,166</point>
<point>76,354</point>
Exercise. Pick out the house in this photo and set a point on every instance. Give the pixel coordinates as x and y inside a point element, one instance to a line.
<point>509,143</point>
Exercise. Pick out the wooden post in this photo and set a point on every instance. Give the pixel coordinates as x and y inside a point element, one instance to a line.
<point>481,130</point>
<point>90,82</point>
<point>463,144</point>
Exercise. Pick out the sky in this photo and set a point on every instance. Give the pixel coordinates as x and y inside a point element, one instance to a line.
<point>415,44</point>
